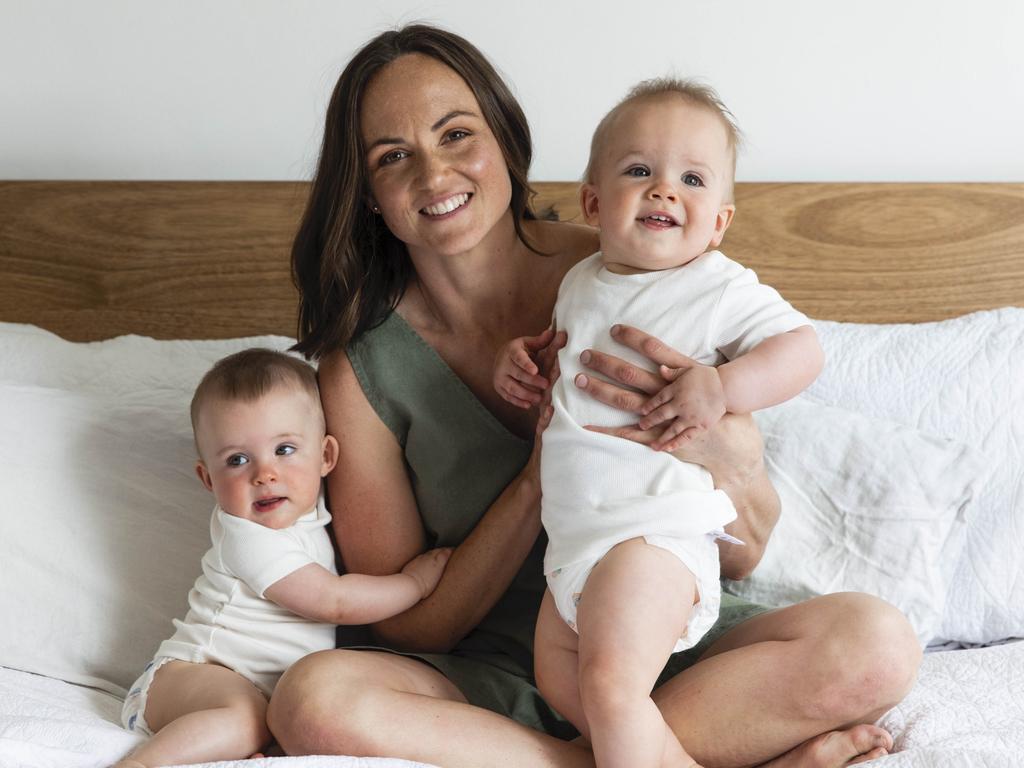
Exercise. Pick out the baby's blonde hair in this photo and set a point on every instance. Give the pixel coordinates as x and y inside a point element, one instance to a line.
<point>692,91</point>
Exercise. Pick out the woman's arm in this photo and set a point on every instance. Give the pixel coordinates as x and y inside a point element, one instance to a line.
<point>378,525</point>
<point>732,451</point>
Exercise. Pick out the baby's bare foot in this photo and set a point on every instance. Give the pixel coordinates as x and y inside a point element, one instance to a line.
<point>837,749</point>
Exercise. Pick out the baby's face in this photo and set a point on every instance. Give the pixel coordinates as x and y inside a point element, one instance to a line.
<point>661,186</point>
<point>264,459</point>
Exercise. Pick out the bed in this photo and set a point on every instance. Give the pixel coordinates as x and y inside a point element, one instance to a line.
<point>901,471</point>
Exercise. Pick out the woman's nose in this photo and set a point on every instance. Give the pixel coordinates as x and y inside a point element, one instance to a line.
<point>433,169</point>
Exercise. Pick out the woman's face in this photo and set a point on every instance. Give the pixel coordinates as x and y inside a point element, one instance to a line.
<point>435,168</point>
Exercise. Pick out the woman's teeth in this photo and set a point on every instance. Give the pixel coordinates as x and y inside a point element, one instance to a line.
<point>449,205</point>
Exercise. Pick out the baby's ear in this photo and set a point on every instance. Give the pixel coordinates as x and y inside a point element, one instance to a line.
<point>204,475</point>
<point>589,204</point>
<point>330,455</point>
<point>722,222</point>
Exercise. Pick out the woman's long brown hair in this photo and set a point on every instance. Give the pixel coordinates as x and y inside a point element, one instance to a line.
<point>349,269</point>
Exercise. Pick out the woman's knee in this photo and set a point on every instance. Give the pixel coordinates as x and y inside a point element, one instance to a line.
<point>316,705</point>
<point>867,659</point>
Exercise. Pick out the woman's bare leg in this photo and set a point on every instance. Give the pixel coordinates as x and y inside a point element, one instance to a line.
<point>383,705</point>
<point>798,682</point>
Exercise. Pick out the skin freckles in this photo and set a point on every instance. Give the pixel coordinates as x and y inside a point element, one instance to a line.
<point>435,168</point>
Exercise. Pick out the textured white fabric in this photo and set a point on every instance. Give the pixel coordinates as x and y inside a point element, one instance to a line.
<point>966,711</point>
<point>229,622</point>
<point>102,520</point>
<point>961,379</point>
<point>867,505</point>
<point>46,723</point>
<point>600,490</point>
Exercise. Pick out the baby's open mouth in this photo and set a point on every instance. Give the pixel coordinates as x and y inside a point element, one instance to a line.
<point>446,206</point>
<point>268,503</point>
<point>659,220</point>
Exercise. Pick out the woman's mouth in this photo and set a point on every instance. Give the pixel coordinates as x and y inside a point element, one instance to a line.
<point>446,207</point>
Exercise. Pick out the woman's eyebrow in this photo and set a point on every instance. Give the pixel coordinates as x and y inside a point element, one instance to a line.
<point>436,126</point>
<point>450,116</point>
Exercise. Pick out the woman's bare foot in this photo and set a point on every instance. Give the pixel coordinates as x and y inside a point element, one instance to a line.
<point>836,749</point>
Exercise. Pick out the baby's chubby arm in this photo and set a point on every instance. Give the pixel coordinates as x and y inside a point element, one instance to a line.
<point>778,368</point>
<point>516,373</point>
<point>355,598</point>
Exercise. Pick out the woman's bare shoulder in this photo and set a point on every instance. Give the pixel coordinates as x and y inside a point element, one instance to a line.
<point>565,240</point>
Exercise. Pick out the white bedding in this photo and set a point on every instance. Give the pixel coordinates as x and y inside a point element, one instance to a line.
<point>966,711</point>
<point>47,723</point>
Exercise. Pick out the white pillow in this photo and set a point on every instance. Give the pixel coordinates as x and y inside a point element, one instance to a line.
<point>102,520</point>
<point>962,379</point>
<point>867,506</point>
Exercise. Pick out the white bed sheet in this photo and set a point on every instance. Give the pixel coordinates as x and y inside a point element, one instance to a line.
<point>47,723</point>
<point>966,711</point>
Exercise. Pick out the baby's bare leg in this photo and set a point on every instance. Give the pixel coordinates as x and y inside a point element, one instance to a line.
<point>635,606</point>
<point>556,664</point>
<point>201,713</point>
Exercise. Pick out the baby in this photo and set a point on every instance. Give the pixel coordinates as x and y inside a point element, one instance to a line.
<point>269,593</point>
<point>632,564</point>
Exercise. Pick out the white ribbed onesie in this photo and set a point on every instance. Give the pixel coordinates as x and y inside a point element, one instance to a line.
<point>229,621</point>
<point>599,490</point>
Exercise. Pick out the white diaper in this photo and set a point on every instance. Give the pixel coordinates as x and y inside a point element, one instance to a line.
<point>133,714</point>
<point>699,554</point>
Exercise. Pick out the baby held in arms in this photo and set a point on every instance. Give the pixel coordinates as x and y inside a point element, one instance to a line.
<point>269,593</point>
<point>632,561</point>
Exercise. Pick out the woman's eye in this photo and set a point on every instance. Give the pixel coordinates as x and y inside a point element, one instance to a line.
<point>638,170</point>
<point>285,450</point>
<point>692,180</point>
<point>393,156</point>
<point>456,134</point>
<point>237,460</point>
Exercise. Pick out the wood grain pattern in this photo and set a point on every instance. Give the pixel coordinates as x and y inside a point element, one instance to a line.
<point>90,260</point>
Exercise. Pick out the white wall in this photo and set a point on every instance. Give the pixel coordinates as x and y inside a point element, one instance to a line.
<point>884,90</point>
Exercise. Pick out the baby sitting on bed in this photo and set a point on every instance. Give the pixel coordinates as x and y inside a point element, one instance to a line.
<point>632,564</point>
<point>269,593</point>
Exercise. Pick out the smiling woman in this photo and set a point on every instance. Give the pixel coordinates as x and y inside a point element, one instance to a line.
<point>418,258</point>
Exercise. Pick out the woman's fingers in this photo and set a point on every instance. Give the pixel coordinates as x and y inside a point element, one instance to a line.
<point>618,370</point>
<point>629,432</point>
<point>650,347</point>
<point>610,394</point>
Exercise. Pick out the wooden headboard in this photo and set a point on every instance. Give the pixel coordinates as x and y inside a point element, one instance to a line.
<point>90,260</point>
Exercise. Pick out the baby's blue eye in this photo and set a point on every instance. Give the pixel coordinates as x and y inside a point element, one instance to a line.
<point>237,460</point>
<point>285,450</point>
<point>692,180</point>
<point>638,171</point>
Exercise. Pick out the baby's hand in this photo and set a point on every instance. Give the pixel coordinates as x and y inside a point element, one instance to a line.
<point>427,568</point>
<point>516,375</point>
<point>693,399</point>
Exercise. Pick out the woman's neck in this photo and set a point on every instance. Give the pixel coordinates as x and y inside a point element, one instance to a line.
<point>452,292</point>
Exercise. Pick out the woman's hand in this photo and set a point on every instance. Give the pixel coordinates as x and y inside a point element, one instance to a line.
<point>732,449</point>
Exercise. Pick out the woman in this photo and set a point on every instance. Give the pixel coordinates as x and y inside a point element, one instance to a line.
<point>417,258</point>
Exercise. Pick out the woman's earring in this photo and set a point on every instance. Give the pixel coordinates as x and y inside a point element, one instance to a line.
<point>375,208</point>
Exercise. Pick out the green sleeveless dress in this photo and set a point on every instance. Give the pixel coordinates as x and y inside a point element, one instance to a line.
<point>460,458</point>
